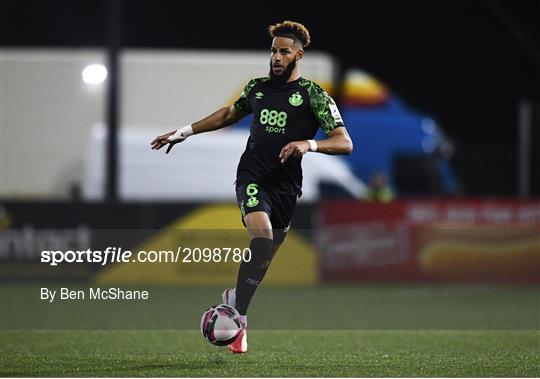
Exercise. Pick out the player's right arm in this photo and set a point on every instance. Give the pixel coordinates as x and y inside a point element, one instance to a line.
<point>217,120</point>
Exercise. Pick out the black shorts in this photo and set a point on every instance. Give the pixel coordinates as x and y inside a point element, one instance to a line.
<point>252,197</point>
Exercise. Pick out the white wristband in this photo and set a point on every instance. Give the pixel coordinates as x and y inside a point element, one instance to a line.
<point>312,145</point>
<point>182,133</point>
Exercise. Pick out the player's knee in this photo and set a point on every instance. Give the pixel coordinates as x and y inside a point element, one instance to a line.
<point>261,233</point>
<point>258,224</point>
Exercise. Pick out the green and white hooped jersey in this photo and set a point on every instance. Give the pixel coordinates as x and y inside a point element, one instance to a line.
<point>281,114</point>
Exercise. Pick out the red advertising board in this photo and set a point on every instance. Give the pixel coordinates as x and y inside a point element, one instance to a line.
<point>457,240</point>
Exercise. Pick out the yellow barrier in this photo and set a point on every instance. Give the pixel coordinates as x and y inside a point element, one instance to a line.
<point>295,263</point>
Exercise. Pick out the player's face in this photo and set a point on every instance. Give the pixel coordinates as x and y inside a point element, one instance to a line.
<point>284,53</point>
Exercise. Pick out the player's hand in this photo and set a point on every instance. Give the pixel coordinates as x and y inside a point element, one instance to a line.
<point>294,149</point>
<point>163,140</point>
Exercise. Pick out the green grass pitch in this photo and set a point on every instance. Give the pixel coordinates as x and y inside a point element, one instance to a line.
<point>359,331</point>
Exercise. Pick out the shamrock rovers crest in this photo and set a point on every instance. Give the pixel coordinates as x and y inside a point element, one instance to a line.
<point>296,99</point>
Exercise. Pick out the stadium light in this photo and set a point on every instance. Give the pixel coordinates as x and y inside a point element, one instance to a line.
<point>94,74</point>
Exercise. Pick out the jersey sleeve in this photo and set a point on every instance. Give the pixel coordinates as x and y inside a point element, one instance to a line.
<point>242,104</point>
<point>324,108</point>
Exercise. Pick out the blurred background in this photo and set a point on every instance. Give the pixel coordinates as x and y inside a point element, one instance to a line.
<point>442,101</point>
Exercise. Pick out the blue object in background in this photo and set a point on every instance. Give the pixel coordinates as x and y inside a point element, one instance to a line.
<point>383,132</point>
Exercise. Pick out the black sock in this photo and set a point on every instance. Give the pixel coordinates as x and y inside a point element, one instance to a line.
<point>252,273</point>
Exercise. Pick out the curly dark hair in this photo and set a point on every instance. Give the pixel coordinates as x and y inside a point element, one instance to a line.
<point>291,27</point>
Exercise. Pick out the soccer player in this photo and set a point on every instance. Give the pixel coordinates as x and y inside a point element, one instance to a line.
<point>287,112</point>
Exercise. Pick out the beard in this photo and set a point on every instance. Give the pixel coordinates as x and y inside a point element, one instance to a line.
<point>285,75</point>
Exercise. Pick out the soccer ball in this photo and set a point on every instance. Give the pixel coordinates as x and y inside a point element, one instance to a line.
<point>220,324</point>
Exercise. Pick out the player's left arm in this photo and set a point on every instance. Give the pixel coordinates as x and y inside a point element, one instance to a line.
<point>338,143</point>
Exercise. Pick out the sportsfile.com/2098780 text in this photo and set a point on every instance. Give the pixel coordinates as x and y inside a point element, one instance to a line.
<point>118,255</point>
